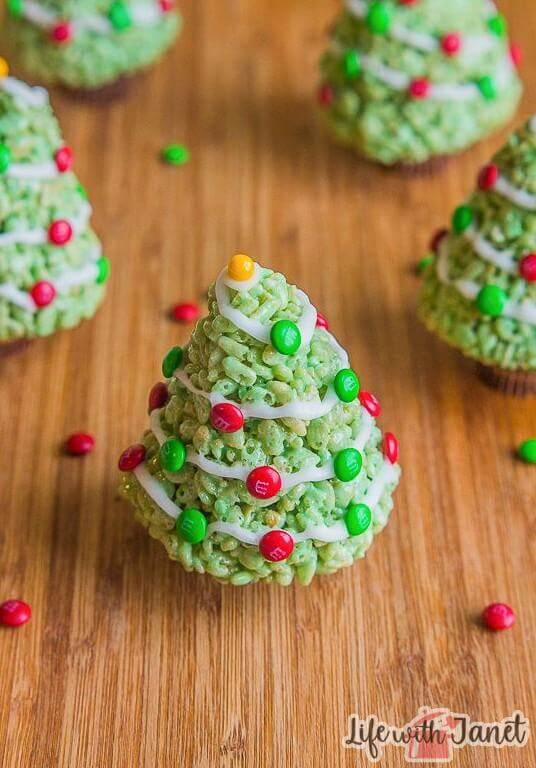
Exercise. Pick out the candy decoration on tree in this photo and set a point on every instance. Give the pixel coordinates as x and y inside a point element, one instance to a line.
<point>93,49</point>
<point>132,457</point>
<point>60,232</point>
<point>480,293</point>
<point>437,239</point>
<point>367,70</point>
<point>63,157</point>
<point>276,546</point>
<point>43,293</point>
<point>254,475</point>
<point>498,616</point>
<point>516,54</point>
<point>226,417</point>
<point>321,321</point>
<point>79,444</point>
<point>14,613</point>
<point>390,447</point>
<point>264,482</point>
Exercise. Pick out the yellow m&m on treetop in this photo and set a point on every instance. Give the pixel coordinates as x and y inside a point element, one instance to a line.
<point>241,267</point>
<point>4,68</point>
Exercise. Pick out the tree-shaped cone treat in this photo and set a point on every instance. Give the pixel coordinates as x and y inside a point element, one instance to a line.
<point>52,271</point>
<point>405,82</point>
<point>479,292</point>
<point>88,45</point>
<point>263,460</point>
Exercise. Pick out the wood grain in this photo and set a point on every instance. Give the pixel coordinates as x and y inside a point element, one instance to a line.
<point>130,662</point>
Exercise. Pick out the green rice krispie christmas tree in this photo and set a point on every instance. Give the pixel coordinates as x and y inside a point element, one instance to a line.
<point>89,44</point>
<point>263,461</point>
<point>405,81</point>
<point>479,292</point>
<point>52,271</point>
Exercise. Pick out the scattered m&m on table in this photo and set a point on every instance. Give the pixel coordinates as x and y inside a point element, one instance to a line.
<point>185,312</point>
<point>14,613</point>
<point>175,154</point>
<point>498,616</point>
<point>79,444</point>
<point>527,451</point>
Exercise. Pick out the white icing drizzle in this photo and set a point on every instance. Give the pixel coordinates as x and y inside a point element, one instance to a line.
<point>142,14</point>
<point>308,410</point>
<point>34,96</point>
<point>241,472</point>
<point>338,531</point>
<point>517,196</point>
<point>523,312</point>
<point>472,45</point>
<point>245,285</point>
<point>532,124</point>
<point>254,328</point>
<point>31,171</point>
<point>505,260</point>
<point>40,236</point>
<point>400,81</point>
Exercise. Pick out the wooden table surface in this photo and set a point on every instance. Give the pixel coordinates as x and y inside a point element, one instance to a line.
<point>128,661</point>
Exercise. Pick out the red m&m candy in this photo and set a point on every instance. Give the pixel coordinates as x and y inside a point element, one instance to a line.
<point>226,417</point>
<point>43,293</point>
<point>437,239</point>
<point>60,232</point>
<point>488,176</point>
<point>419,88</point>
<point>79,443</point>
<point>185,313</point>
<point>325,95</point>
<point>276,546</point>
<point>371,403</point>
<point>321,321</point>
<point>131,457</point>
<point>14,613</point>
<point>166,5</point>
<point>158,396</point>
<point>516,55</point>
<point>63,158</point>
<point>390,447</point>
<point>451,44</point>
<point>62,32</point>
<point>498,616</point>
<point>264,482</point>
<point>527,267</point>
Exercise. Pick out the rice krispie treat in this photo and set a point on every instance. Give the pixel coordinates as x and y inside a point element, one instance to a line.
<point>407,81</point>
<point>479,293</point>
<point>52,271</point>
<point>263,460</point>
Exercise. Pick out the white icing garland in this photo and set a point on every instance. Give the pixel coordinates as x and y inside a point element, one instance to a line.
<point>471,45</point>
<point>523,312</point>
<point>40,236</point>
<point>400,81</point>
<point>32,171</point>
<point>259,331</point>
<point>505,260</point>
<point>517,196</point>
<point>142,14</point>
<point>32,95</point>
<point>387,475</point>
<point>70,279</point>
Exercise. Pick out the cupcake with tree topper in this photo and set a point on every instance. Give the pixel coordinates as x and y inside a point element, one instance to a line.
<point>263,460</point>
<point>52,270</point>
<point>90,46</point>
<point>405,82</point>
<point>479,292</point>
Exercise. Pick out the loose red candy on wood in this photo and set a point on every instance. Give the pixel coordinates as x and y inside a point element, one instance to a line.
<point>498,616</point>
<point>14,613</point>
<point>79,443</point>
<point>276,546</point>
<point>264,482</point>
<point>185,313</point>
<point>226,417</point>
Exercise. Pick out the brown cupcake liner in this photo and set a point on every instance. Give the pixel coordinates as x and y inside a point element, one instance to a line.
<point>115,91</point>
<point>517,383</point>
<point>8,348</point>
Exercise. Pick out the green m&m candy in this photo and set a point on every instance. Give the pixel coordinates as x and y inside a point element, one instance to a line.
<point>175,154</point>
<point>487,87</point>
<point>491,300</point>
<point>103,269</point>
<point>346,385</point>
<point>191,525</point>
<point>462,218</point>
<point>497,25</point>
<point>119,15</point>
<point>378,18</point>
<point>5,158</point>
<point>527,451</point>
<point>15,7</point>
<point>347,464</point>
<point>171,362</point>
<point>285,337</point>
<point>172,455</point>
<point>351,64</point>
<point>357,518</point>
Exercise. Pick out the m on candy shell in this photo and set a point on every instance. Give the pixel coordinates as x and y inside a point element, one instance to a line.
<point>276,546</point>
<point>226,417</point>
<point>264,482</point>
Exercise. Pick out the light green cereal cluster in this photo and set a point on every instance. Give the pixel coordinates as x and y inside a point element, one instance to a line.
<point>387,125</point>
<point>91,59</point>
<point>221,358</point>
<point>31,135</point>
<point>501,341</point>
